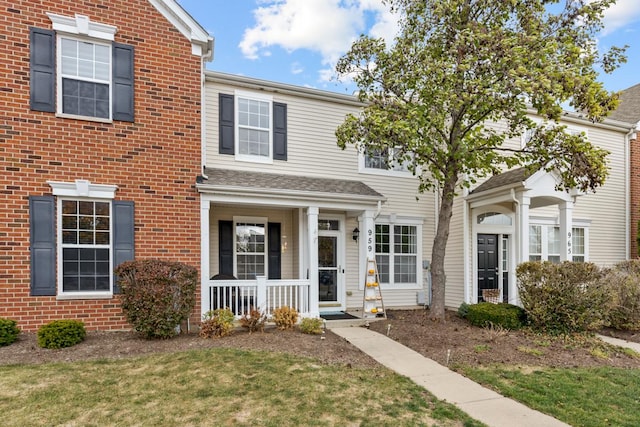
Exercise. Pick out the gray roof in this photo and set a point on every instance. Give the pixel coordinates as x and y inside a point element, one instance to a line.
<point>629,108</point>
<point>513,176</point>
<point>268,181</point>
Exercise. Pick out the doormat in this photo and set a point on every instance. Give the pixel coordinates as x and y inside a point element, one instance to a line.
<point>337,316</point>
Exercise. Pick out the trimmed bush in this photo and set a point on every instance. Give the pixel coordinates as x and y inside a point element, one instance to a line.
<point>563,298</point>
<point>485,314</point>
<point>624,282</point>
<point>285,317</point>
<point>311,325</point>
<point>254,321</point>
<point>8,331</point>
<point>157,295</point>
<point>217,323</point>
<point>61,333</point>
<point>463,310</point>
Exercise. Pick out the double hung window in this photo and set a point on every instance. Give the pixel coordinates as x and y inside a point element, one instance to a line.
<point>397,249</point>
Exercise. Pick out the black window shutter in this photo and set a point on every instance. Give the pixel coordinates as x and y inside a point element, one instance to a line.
<point>43,245</point>
<point>122,69</point>
<point>123,235</point>
<point>279,131</point>
<point>274,266</point>
<point>43,70</point>
<point>226,119</point>
<point>225,247</point>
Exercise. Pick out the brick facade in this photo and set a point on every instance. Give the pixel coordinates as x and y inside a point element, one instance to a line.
<point>634,156</point>
<point>153,161</point>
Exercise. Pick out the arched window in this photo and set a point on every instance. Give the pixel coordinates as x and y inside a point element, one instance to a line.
<point>494,218</point>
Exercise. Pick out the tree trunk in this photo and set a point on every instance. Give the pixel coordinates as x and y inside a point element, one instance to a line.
<point>438,277</point>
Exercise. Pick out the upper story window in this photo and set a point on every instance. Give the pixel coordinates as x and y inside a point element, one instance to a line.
<point>77,71</point>
<point>383,161</point>
<point>84,78</point>
<point>252,127</point>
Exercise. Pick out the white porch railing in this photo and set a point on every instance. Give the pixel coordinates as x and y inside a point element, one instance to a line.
<point>240,296</point>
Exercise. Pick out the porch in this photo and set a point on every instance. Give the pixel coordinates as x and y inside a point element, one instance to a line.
<point>278,240</point>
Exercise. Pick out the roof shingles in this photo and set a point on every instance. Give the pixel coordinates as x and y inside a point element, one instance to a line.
<point>269,181</point>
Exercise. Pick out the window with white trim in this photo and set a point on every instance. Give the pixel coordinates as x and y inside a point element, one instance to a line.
<point>84,77</point>
<point>254,127</point>
<point>250,249</point>
<point>397,250</point>
<point>85,237</point>
<point>544,243</point>
<point>384,161</point>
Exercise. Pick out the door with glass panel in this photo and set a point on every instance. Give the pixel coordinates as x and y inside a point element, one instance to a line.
<point>330,263</point>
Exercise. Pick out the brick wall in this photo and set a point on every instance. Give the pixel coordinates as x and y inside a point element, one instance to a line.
<point>154,161</point>
<point>635,194</point>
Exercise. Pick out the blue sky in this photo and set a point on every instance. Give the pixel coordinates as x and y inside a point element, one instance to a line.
<point>299,41</point>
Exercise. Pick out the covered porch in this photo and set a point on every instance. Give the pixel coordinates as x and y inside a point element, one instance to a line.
<point>502,214</point>
<point>271,240</point>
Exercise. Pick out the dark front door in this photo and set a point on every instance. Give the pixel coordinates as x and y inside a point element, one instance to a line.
<point>487,263</point>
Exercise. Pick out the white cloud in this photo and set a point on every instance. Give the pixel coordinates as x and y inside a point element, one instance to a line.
<point>296,68</point>
<point>622,13</point>
<point>328,27</point>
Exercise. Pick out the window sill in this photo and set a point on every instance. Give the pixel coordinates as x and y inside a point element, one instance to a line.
<point>84,296</point>
<point>85,118</point>
<point>398,286</point>
<point>386,172</point>
<point>254,159</point>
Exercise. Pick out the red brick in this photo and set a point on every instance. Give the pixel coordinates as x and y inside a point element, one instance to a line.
<point>36,147</point>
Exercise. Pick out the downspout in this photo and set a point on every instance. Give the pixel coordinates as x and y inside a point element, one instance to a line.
<point>203,127</point>
<point>375,216</point>
<point>627,180</point>
<point>468,280</point>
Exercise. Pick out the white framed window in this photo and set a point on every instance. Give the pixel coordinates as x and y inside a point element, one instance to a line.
<point>254,132</point>
<point>85,228</point>
<point>398,253</point>
<point>84,233</point>
<point>84,78</point>
<point>383,162</point>
<point>84,69</point>
<point>530,133</point>
<point>250,251</point>
<point>578,244</point>
<point>544,243</point>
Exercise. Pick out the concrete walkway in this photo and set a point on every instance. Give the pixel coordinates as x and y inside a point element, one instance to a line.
<point>480,403</point>
<point>621,343</point>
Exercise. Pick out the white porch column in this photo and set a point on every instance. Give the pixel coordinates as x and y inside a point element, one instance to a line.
<point>366,244</point>
<point>523,230</point>
<point>312,233</point>
<point>205,206</point>
<point>566,230</point>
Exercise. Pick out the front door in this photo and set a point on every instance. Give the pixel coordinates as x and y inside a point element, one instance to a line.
<point>487,263</point>
<point>330,266</point>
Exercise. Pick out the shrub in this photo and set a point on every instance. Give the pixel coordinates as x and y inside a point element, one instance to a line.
<point>624,283</point>
<point>311,326</point>
<point>61,333</point>
<point>563,298</point>
<point>157,295</point>
<point>285,317</point>
<point>217,323</point>
<point>486,314</point>
<point>254,321</point>
<point>463,310</point>
<point>8,331</point>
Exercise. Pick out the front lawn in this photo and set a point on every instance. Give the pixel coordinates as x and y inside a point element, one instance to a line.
<point>586,397</point>
<point>215,387</point>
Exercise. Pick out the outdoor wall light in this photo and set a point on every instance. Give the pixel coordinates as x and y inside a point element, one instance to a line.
<point>355,234</point>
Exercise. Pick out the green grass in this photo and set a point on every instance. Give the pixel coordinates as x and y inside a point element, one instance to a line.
<point>216,387</point>
<point>587,397</point>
